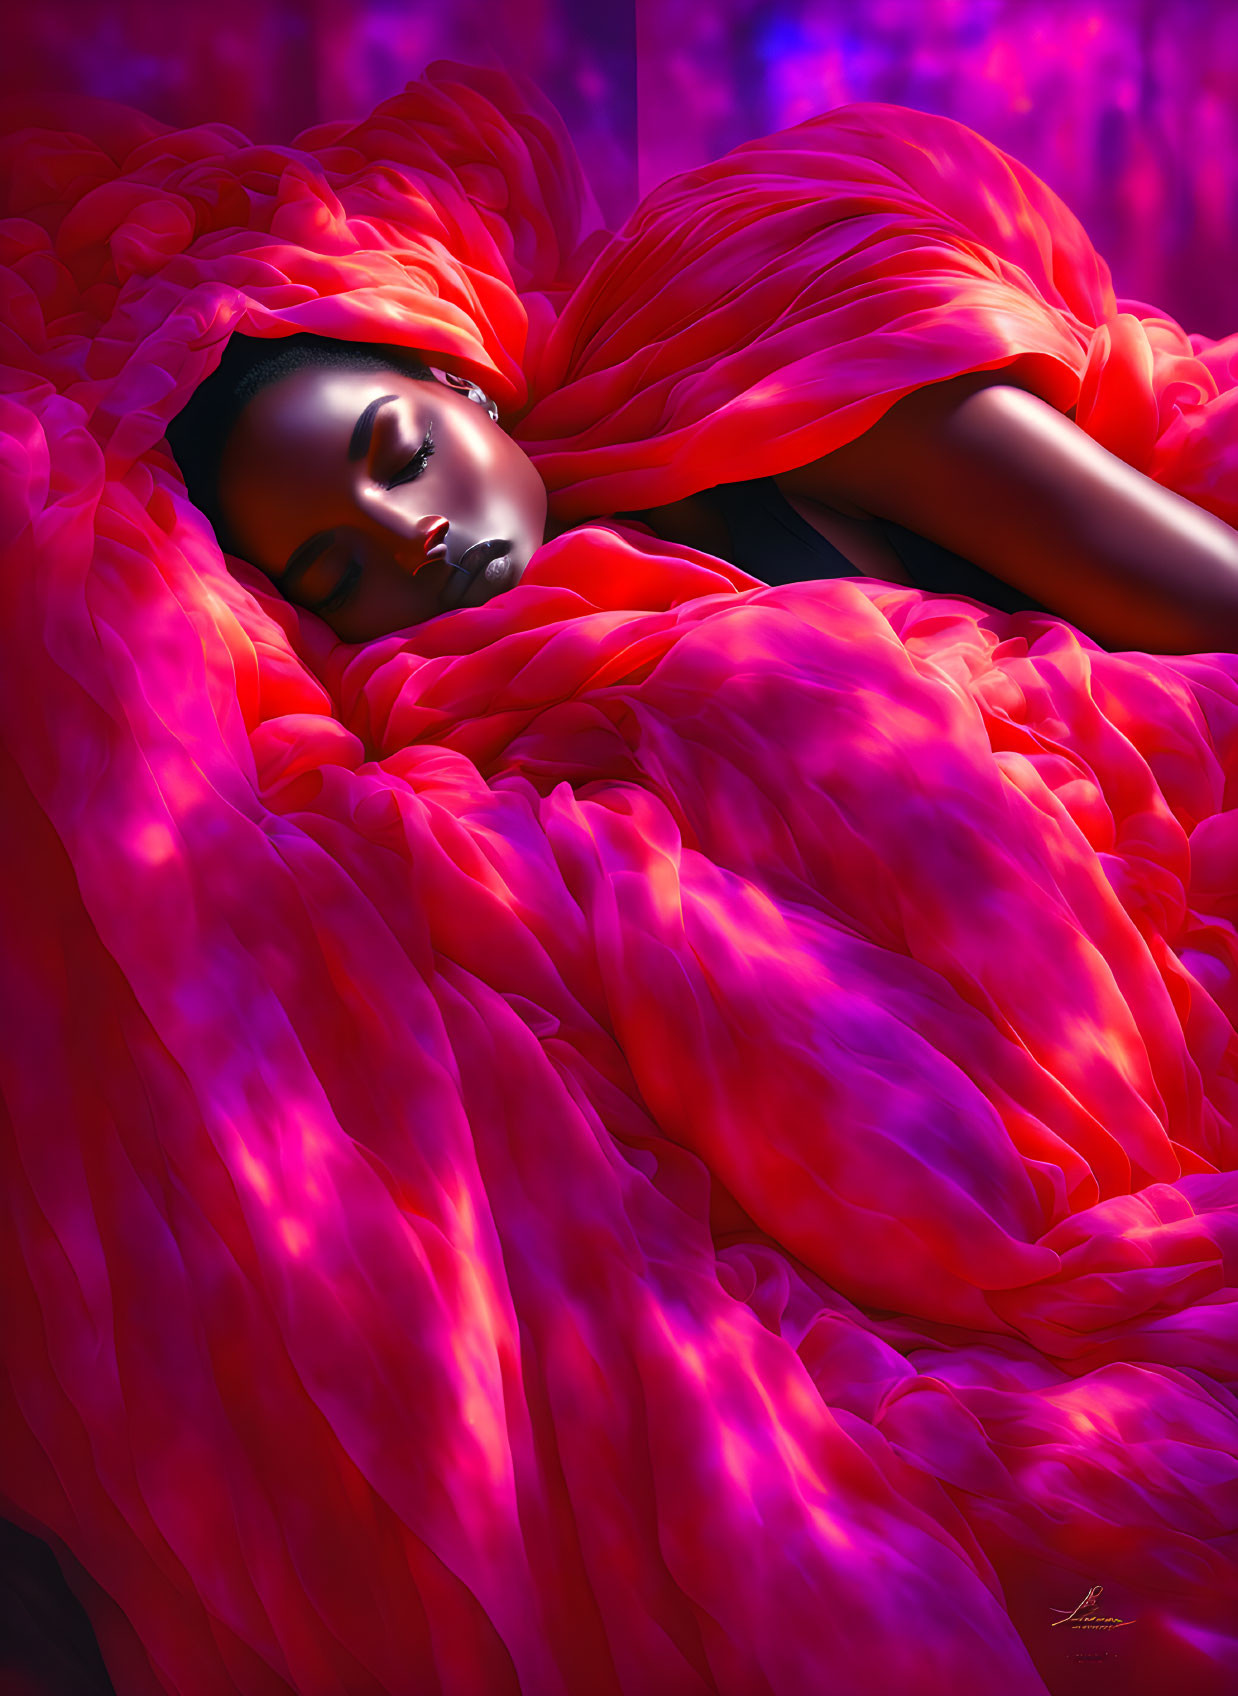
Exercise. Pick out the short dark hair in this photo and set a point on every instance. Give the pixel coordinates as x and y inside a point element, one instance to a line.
<point>199,433</point>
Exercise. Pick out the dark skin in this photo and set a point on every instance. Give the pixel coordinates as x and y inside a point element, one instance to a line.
<point>1001,477</point>
<point>977,464</point>
<point>356,491</point>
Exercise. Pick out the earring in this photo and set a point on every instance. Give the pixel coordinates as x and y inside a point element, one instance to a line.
<point>469,390</point>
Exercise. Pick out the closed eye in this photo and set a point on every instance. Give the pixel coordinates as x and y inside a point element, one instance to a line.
<point>416,464</point>
<point>342,590</point>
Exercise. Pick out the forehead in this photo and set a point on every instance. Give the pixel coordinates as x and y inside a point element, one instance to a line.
<point>285,472</point>
<point>315,410</point>
<point>286,460</point>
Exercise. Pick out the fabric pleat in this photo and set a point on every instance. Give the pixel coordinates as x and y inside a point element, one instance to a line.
<point>658,1134</point>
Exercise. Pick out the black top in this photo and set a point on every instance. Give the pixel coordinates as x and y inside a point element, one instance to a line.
<point>770,541</point>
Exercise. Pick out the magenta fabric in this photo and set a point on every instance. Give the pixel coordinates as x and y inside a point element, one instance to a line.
<point>659,1134</point>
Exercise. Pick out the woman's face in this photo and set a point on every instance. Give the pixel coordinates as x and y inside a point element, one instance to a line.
<point>357,491</point>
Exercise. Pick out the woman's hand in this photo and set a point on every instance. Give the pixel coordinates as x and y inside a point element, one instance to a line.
<point>1004,479</point>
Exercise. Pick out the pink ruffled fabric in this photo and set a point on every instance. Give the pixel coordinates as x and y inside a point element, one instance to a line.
<point>659,1134</point>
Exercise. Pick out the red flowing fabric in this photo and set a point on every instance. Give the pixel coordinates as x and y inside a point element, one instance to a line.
<point>660,1134</point>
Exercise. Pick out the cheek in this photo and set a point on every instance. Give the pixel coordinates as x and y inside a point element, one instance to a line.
<point>507,492</point>
<point>528,491</point>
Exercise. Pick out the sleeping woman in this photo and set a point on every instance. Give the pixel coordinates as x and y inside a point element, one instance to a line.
<point>640,1138</point>
<point>378,492</point>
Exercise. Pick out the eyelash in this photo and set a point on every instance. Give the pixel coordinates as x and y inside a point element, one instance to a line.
<point>416,464</point>
<point>343,589</point>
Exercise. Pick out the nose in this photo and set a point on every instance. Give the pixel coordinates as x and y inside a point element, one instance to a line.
<point>426,543</point>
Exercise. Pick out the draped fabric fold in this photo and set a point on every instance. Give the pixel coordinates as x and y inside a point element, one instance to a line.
<point>657,1134</point>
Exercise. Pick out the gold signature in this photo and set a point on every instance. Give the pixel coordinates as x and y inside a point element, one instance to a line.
<point>1084,1616</point>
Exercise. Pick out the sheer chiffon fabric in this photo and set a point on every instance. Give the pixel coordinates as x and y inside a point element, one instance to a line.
<point>657,1134</point>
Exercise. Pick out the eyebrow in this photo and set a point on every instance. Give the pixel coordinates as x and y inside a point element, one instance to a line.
<point>300,559</point>
<point>363,429</point>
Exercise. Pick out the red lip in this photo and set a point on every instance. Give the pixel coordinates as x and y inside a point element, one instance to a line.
<point>433,550</point>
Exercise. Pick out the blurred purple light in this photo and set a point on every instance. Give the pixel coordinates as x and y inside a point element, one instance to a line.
<point>1128,108</point>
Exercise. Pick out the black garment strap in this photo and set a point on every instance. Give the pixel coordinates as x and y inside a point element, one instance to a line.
<point>771,541</point>
<point>768,537</point>
<point>935,568</point>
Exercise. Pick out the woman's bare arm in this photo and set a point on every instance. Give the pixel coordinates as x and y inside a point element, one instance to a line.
<point>1004,479</point>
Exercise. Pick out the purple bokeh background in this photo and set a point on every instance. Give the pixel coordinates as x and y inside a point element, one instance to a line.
<point>1128,108</point>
